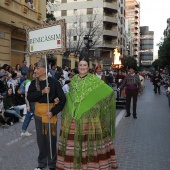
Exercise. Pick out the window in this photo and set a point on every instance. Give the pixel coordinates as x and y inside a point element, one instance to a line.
<point>75,11</point>
<point>64,13</point>
<point>63,1</point>
<point>74,38</point>
<point>89,10</point>
<point>89,24</point>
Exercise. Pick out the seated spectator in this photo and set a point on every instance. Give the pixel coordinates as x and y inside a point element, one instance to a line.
<point>5,118</point>
<point>58,73</point>
<point>70,75</point>
<point>31,68</point>
<point>20,101</point>
<point>14,79</point>
<point>9,105</point>
<point>24,68</point>
<point>3,83</point>
<point>13,82</point>
<point>66,87</point>
<point>61,80</point>
<point>18,71</point>
<point>110,79</point>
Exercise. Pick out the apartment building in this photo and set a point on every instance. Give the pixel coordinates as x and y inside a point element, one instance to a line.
<point>133,15</point>
<point>16,17</point>
<point>121,27</point>
<point>110,14</point>
<point>146,46</point>
<point>167,30</point>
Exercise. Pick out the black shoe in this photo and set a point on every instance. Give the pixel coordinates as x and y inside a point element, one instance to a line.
<point>39,168</point>
<point>52,169</point>
<point>127,115</point>
<point>135,117</point>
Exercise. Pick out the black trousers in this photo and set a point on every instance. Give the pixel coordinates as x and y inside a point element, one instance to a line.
<point>157,89</point>
<point>129,94</point>
<point>10,118</point>
<point>44,157</point>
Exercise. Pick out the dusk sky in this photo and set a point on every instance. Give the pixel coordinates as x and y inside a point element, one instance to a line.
<point>155,14</point>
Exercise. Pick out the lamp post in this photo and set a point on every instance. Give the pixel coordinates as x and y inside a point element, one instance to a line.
<point>88,43</point>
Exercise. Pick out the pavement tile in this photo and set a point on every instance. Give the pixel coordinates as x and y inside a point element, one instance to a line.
<point>141,144</point>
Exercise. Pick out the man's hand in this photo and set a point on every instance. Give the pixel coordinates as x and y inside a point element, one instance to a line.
<point>139,94</point>
<point>49,114</point>
<point>46,90</point>
<point>56,100</point>
<point>118,89</point>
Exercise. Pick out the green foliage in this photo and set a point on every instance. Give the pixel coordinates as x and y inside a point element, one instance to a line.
<point>158,64</point>
<point>164,55</point>
<point>129,62</point>
<point>50,17</point>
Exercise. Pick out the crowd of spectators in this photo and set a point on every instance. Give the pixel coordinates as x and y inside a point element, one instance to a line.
<point>13,104</point>
<point>14,83</point>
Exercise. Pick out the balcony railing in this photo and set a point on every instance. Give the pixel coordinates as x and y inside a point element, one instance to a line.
<point>112,5</point>
<point>110,19</point>
<point>112,33</point>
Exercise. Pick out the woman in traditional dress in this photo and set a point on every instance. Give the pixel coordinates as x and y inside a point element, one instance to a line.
<point>88,124</point>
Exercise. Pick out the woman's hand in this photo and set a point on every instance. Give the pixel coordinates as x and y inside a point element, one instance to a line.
<point>28,108</point>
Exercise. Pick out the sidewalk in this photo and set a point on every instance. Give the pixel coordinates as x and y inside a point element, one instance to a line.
<point>144,143</point>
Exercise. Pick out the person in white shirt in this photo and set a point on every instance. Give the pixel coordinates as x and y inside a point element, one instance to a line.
<point>168,93</point>
<point>66,86</point>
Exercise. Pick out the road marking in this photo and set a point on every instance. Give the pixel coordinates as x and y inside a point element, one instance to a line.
<point>119,117</point>
<point>14,141</point>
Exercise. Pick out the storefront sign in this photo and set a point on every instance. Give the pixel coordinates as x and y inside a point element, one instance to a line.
<point>47,39</point>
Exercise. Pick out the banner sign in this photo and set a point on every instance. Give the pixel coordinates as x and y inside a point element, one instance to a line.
<point>47,38</point>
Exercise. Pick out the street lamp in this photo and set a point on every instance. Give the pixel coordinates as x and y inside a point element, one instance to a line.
<point>88,41</point>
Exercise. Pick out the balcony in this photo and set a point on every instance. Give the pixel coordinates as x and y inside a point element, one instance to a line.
<point>17,13</point>
<point>112,5</point>
<point>110,19</point>
<point>136,48</point>
<point>112,33</point>
<point>135,53</point>
<point>135,42</point>
<point>137,10</point>
<point>137,21</point>
<point>109,44</point>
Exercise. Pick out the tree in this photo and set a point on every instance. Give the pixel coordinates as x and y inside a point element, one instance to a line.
<point>129,62</point>
<point>158,63</point>
<point>164,53</point>
<point>78,32</point>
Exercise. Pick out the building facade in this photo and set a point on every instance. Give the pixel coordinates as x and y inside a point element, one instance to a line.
<point>133,15</point>
<point>146,46</point>
<point>84,15</point>
<point>19,15</point>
